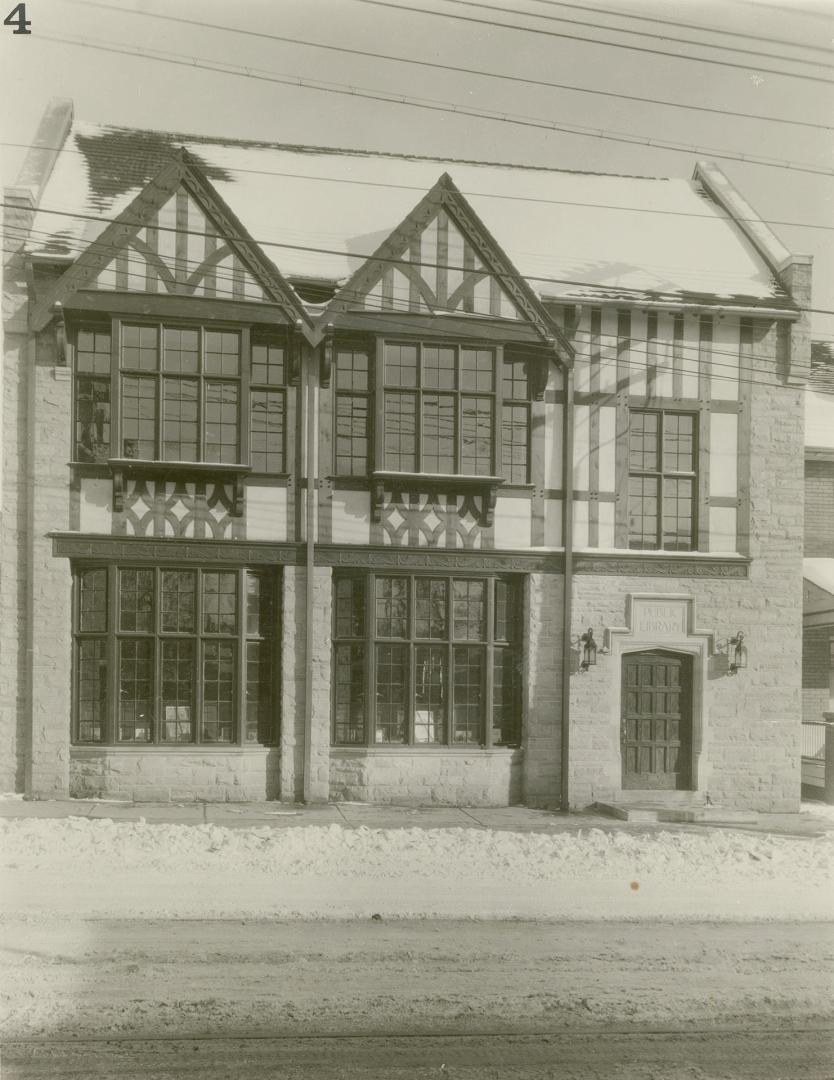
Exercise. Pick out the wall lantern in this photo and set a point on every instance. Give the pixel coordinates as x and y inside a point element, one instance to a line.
<point>739,660</point>
<point>589,650</point>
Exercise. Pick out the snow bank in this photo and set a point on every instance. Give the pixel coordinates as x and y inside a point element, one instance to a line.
<point>83,868</point>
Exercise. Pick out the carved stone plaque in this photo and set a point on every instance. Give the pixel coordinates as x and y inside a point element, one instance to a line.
<point>654,620</point>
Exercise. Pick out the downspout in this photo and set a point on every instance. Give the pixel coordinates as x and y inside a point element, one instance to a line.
<point>567,605</point>
<point>311,470</point>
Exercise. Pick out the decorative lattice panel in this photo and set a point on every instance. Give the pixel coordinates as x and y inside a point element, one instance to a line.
<point>192,509</point>
<point>420,519</point>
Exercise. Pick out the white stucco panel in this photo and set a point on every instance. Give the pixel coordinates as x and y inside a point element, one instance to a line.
<point>96,509</point>
<point>266,513</point>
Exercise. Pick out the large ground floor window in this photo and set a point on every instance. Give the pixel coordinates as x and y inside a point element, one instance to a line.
<point>173,655</point>
<point>429,660</point>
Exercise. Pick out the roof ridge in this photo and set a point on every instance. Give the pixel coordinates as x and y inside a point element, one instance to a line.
<point>310,148</point>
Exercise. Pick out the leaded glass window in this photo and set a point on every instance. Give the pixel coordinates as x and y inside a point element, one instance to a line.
<point>187,656</point>
<point>662,482</point>
<point>427,660</point>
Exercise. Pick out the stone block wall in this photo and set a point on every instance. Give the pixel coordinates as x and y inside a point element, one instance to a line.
<point>751,721</point>
<point>542,706</point>
<point>196,773</point>
<point>14,681</point>
<point>50,580</point>
<point>425,777</point>
<point>294,665</point>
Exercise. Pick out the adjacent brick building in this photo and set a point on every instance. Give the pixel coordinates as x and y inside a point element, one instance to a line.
<point>338,475</point>
<point>818,607</point>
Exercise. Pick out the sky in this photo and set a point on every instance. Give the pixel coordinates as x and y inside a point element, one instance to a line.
<point>65,55</point>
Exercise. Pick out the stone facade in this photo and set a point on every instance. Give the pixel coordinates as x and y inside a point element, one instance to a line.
<point>428,777</point>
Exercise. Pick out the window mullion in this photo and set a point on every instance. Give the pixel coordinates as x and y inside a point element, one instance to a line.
<point>411,630</point>
<point>378,460</point>
<point>115,389</point>
<point>370,638</point>
<point>156,680</point>
<point>418,426</point>
<point>243,404</point>
<point>498,410</point>
<point>159,433</point>
<point>243,657</point>
<point>489,649</point>
<point>198,651</point>
<point>112,654</point>
<point>450,691</point>
<point>201,394</point>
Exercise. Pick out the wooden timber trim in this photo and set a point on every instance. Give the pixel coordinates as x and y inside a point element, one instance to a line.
<point>99,548</point>
<point>404,323</point>
<point>89,546</point>
<point>622,564</point>
<point>444,198</point>
<point>162,305</point>
<point>501,267</point>
<point>142,211</point>
<point>436,559</point>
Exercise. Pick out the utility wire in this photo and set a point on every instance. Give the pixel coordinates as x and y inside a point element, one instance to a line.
<point>592,40</point>
<point>657,20</point>
<point>667,348</point>
<point>365,256</point>
<point>448,67</point>
<point>643,34</point>
<point>433,105</point>
<point>401,305</point>
<point>79,246</point>
<point>128,155</point>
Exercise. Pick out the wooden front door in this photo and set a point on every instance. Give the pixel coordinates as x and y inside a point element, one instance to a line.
<point>656,728</point>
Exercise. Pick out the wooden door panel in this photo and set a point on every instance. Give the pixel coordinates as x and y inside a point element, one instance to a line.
<point>656,730</point>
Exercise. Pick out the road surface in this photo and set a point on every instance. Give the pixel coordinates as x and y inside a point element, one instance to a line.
<point>649,1001</point>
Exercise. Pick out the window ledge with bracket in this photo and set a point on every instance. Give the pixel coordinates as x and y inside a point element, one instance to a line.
<point>485,486</point>
<point>122,467</point>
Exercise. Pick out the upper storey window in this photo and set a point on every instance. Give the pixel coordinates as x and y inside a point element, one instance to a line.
<point>439,409</point>
<point>662,482</point>
<point>180,394</point>
<point>442,410</point>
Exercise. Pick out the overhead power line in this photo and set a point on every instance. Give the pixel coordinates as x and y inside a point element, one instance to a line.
<point>593,41</point>
<point>668,349</point>
<point>389,260</point>
<point>438,106</point>
<point>125,153</point>
<point>449,67</point>
<point>643,34</point>
<point>700,28</point>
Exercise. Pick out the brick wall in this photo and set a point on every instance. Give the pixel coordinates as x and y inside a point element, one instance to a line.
<point>816,671</point>
<point>819,509</point>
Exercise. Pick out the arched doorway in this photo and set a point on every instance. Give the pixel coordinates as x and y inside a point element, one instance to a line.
<point>656,721</point>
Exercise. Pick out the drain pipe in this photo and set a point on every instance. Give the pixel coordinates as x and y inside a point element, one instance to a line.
<point>567,604</point>
<point>311,471</point>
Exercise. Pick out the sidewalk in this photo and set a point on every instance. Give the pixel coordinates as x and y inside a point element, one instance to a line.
<point>809,823</point>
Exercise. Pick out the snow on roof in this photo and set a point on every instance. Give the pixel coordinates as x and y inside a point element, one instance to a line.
<point>580,226</point>
<point>819,572</point>
<point>819,420</point>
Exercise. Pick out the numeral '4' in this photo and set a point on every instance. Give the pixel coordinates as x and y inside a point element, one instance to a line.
<point>17,17</point>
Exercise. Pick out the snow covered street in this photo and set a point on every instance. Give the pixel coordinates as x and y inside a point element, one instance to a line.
<point>77,868</point>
